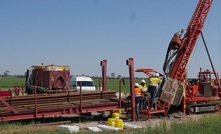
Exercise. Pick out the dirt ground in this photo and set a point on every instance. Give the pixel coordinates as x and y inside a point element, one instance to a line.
<point>92,121</point>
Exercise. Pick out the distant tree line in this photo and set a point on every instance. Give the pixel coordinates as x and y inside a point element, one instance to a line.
<point>112,76</point>
<point>7,73</point>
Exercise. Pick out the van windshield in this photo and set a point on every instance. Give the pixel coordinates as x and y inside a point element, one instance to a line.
<point>85,83</point>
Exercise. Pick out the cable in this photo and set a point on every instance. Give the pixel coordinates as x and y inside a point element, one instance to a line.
<point>195,52</point>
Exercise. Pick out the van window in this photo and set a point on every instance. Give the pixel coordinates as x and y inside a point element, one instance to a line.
<point>85,83</point>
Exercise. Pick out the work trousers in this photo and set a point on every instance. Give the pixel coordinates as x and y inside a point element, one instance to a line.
<point>143,103</point>
<point>138,99</point>
<point>152,90</point>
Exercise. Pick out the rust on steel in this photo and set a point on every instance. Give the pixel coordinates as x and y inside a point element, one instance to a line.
<point>33,106</point>
<point>130,63</point>
<point>103,64</point>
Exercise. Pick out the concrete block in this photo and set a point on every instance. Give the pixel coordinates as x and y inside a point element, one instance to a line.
<point>69,128</point>
<point>106,127</point>
<point>131,125</point>
<point>94,129</point>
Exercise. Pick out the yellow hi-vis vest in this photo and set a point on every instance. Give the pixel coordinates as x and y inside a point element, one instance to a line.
<point>154,81</point>
<point>143,88</point>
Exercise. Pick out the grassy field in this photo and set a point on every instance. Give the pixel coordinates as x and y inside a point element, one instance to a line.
<point>11,81</point>
<point>207,124</point>
<point>113,84</point>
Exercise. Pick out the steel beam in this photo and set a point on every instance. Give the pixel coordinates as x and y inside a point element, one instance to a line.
<point>130,63</point>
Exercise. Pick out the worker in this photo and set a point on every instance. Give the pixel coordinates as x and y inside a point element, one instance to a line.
<point>143,87</point>
<point>138,99</point>
<point>153,83</point>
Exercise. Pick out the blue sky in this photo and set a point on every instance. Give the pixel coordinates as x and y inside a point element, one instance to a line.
<point>81,33</point>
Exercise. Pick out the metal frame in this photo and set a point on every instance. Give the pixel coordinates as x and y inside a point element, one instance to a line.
<point>81,108</point>
<point>130,63</point>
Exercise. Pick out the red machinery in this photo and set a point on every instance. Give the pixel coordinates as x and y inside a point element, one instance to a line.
<point>48,105</point>
<point>178,55</point>
<point>202,92</point>
<point>47,77</point>
<point>175,88</point>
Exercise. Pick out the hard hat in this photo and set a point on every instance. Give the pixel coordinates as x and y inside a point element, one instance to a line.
<point>157,74</point>
<point>136,85</point>
<point>143,81</point>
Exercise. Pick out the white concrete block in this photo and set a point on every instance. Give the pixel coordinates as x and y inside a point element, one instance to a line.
<point>131,125</point>
<point>106,127</point>
<point>94,129</point>
<point>69,128</point>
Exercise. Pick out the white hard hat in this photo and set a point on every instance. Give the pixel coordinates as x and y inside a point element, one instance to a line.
<point>136,85</point>
<point>157,74</point>
<point>143,81</point>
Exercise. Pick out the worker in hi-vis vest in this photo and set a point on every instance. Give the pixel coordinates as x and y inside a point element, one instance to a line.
<point>143,87</point>
<point>153,83</point>
<point>138,99</point>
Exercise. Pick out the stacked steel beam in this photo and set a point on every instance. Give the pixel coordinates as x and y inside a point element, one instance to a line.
<point>75,102</point>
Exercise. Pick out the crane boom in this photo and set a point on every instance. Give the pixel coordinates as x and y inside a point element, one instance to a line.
<point>179,52</point>
<point>189,41</point>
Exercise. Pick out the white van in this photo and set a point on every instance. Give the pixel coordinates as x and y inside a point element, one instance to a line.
<point>87,83</point>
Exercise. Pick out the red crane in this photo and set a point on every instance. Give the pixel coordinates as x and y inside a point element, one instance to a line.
<point>197,95</point>
<point>178,55</point>
<point>186,45</point>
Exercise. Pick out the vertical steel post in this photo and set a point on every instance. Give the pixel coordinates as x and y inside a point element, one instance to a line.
<point>120,90</point>
<point>130,63</point>
<point>22,89</point>
<point>43,118</point>
<point>184,103</point>
<point>35,97</point>
<point>104,74</point>
<point>81,98</point>
<point>99,84</point>
<point>103,65</point>
<point>10,96</point>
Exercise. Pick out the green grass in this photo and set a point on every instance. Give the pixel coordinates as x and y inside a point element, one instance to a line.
<point>209,124</point>
<point>206,125</point>
<point>7,125</point>
<point>10,81</point>
<point>114,84</point>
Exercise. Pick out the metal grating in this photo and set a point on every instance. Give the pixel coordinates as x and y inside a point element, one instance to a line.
<point>207,89</point>
<point>172,92</point>
<point>179,95</point>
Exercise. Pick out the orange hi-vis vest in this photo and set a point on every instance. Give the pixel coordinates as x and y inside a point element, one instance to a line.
<point>137,92</point>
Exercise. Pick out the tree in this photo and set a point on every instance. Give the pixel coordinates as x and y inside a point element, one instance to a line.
<point>113,75</point>
<point>6,73</point>
<point>118,76</point>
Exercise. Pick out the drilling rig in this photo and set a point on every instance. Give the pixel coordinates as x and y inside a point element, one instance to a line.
<point>199,95</point>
